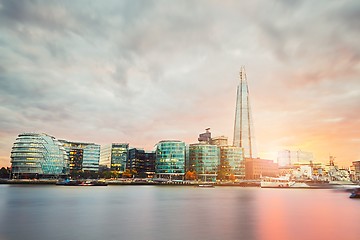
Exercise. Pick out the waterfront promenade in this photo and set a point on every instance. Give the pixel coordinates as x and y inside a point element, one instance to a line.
<point>136,182</point>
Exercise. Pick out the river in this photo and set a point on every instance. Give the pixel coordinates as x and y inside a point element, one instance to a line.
<point>175,212</point>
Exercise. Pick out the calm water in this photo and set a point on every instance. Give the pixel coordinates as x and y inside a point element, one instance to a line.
<point>165,213</point>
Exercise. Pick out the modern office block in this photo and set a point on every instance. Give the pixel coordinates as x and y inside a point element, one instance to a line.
<point>204,159</point>
<point>82,156</point>
<point>232,162</point>
<point>141,161</point>
<point>114,156</point>
<point>170,159</point>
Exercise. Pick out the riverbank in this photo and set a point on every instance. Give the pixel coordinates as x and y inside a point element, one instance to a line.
<point>138,182</point>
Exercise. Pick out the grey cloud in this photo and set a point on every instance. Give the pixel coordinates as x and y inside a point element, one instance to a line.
<point>125,69</point>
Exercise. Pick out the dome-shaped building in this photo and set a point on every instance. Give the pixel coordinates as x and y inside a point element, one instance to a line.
<point>38,155</point>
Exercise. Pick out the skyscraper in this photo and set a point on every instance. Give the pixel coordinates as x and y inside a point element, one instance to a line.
<point>243,128</point>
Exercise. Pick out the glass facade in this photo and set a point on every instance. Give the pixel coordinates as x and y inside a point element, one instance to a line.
<point>114,156</point>
<point>82,156</point>
<point>119,156</point>
<point>205,160</point>
<point>232,162</point>
<point>91,158</point>
<point>35,155</point>
<point>243,128</point>
<point>142,162</point>
<point>170,159</point>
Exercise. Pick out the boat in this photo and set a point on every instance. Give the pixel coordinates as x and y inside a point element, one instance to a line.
<point>285,182</point>
<point>279,182</point>
<point>68,182</point>
<point>206,185</point>
<point>355,193</point>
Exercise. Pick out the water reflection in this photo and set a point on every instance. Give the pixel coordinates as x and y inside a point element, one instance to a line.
<point>150,212</point>
<point>307,214</point>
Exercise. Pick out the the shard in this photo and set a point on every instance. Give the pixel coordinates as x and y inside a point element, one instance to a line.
<point>244,128</point>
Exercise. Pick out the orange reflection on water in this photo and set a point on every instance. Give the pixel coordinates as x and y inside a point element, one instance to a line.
<point>306,214</point>
<point>272,220</point>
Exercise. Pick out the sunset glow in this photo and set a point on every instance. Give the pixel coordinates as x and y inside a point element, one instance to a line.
<point>143,72</point>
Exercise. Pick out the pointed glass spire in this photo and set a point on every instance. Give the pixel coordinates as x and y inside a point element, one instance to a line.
<point>243,128</point>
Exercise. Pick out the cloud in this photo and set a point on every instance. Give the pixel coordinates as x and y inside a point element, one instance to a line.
<point>143,71</point>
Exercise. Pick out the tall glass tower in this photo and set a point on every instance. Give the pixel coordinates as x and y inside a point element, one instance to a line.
<point>243,128</point>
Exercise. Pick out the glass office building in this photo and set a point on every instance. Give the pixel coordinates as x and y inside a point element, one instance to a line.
<point>38,155</point>
<point>170,159</point>
<point>114,156</point>
<point>232,162</point>
<point>204,159</point>
<point>82,156</point>
<point>142,162</point>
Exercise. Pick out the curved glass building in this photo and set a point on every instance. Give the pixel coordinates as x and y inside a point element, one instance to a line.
<point>170,159</point>
<point>38,155</point>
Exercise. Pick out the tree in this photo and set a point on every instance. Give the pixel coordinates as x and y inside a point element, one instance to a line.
<point>129,173</point>
<point>4,172</point>
<point>191,175</point>
<point>224,171</point>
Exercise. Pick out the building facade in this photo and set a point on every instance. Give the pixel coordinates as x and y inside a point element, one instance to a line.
<point>114,156</point>
<point>356,165</point>
<point>204,159</point>
<point>244,135</point>
<point>142,162</point>
<point>232,163</point>
<point>257,168</point>
<point>82,156</point>
<point>170,159</point>
<point>37,155</point>
<point>219,141</point>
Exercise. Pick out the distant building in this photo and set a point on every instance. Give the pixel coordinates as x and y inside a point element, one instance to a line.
<point>289,158</point>
<point>114,156</point>
<point>356,165</point>
<point>257,168</point>
<point>82,156</point>
<point>232,163</point>
<point>219,141</point>
<point>37,155</point>
<point>142,162</point>
<point>204,159</point>
<point>205,137</point>
<point>170,159</point>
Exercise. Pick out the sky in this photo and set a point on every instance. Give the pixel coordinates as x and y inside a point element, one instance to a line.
<point>145,71</point>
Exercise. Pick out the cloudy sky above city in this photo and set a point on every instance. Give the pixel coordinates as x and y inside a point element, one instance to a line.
<point>145,71</point>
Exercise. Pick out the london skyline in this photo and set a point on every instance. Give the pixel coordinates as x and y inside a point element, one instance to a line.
<point>145,71</point>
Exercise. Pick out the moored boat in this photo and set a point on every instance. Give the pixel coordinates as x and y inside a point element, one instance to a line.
<point>206,185</point>
<point>280,182</point>
<point>355,193</point>
<point>81,183</point>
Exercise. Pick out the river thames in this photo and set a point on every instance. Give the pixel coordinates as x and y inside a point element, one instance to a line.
<point>174,212</point>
